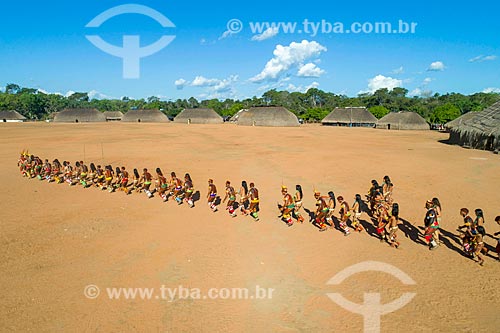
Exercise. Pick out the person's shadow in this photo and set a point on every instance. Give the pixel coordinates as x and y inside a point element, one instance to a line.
<point>411,231</point>
<point>196,197</point>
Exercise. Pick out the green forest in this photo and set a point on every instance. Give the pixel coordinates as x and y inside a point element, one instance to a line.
<point>311,106</point>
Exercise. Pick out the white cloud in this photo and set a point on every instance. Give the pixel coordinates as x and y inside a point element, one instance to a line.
<point>268,33</point>
<point>380,81</point>
<point>2,89</point>
<point>436,66</point>
<point>94,94</point>
<point>214,88</point>
<point>69,93</point>
<point>482,58</point>
<point>492,90</point>
<point>427,80</point>
<point>418,92</point>
<point>398,71</point>
<point>286,57</point>
<point>180,83</point>
<point>201,81</point>
<point>310,70</point>
<point>293,88</point>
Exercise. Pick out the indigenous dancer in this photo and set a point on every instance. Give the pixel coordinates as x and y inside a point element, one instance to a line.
<point>177,192</point>
<point>437,209</point>
<point>136,184</point>
<point>231,199</point>
<point>100,177</point>
<point>387,188</point>
<point>47,170</point>
<point>287,208</point>
<point>124,181</point>
<point>477,244</point>
<point>212,195</point>
<point>393,226</point>
<point>297,198</point>
<point>479,221</point>
<point>162,185</point>
<point>108,177</point>
<point>253,193</point>
<point>466,231</point>
<point>56,171</point>
<point>382,220</point>
<point>332,204</point>
<point>431,225</point>
<point>356,209</point>
<point>321,211</point>
<point>345,213</point>
<point>92,174</point>
<point>371,195</point>
<point>188,190</point>
<point>146,182</point>
<point>84,170</point>
<point>244,202</point>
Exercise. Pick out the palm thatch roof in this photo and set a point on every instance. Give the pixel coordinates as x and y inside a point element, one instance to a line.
<point>268,116</point>
<point>145,116</point>
<point>79,116</point>
<point>11,115</point>
<point>113,115</point>
<point>403,120</point>
<point>482,131</point>
<point>458,121</point>
<point>350,116</point>
<point>198,116</point>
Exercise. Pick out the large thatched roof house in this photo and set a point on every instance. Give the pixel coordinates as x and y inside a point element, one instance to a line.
<point>403,120</point>
<point>482,131</point>
<point>145,116</point>
<point>350,116</point>
<point>113,115</point>
<point>268,116</point>
<point>79,116</point>
<point>11,116</point>
<point>198,116</point>
<point>460,120</point>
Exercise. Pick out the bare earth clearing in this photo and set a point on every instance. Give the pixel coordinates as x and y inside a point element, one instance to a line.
<point>58,239</point>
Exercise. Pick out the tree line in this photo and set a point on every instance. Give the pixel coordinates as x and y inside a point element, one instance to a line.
<point>311,106</point>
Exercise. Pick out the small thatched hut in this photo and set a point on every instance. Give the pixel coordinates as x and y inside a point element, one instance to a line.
<point>145,116</point>
<point>79,116</point>
<point>11,116</point>
<point>481,131</point>
<point>198,116</point>
<point>268,116</point>
<point>350,116</point>
<point>113,115</point>
<point>458,121</point>
<point>403,120</point>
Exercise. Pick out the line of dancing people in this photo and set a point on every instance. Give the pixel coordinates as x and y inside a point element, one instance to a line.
<point>382,209</point>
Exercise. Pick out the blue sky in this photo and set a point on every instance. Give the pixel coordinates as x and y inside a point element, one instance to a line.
<point>455,48</point>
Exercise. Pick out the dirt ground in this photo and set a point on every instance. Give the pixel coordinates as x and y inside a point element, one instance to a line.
<point>56,239</point>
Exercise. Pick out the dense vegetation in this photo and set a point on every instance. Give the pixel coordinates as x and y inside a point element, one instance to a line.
<point>313,105</point>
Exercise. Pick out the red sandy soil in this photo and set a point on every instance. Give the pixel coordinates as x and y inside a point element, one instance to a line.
<point>58,239</point>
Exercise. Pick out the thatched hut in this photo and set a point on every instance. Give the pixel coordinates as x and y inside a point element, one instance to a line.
<point>11,116</point>
<point>350,116</point>
<point>198,116</point>
<point>268,116</point>
<point>113,115</point>
<point>145,116</point>
<point>481,131</point>
<point>403,120</point>
<point>79,116</point>
<point>458,121</point>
